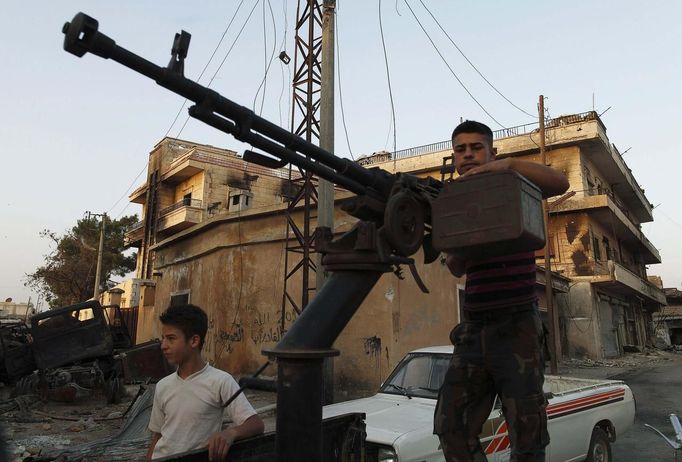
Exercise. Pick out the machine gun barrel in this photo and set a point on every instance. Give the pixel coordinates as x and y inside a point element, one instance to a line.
<point>82,36</point>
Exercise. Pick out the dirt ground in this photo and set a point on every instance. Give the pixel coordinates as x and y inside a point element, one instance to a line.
<point>37,427</point>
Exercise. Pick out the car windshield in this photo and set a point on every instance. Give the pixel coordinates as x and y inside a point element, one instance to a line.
<point>419,374</point>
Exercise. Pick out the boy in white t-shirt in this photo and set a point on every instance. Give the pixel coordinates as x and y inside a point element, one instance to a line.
<point>188,404</point>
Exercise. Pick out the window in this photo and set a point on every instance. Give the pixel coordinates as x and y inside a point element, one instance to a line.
<point>179,298</point>
<point>595,249</point>
<point>607,249</point>
<point>187,199</point>
<point>239,200</point>
<point>460,301</point>
<point>419,374</point>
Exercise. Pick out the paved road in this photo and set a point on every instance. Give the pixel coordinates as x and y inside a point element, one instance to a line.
<point>658,391</point>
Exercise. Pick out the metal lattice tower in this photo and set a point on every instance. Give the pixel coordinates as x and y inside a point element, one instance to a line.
<point>304,123</point>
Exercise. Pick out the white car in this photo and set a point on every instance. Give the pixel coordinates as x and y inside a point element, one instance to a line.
<point>584,416</point>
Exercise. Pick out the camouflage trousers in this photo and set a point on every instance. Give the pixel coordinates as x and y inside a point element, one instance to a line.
<point>503,354</point>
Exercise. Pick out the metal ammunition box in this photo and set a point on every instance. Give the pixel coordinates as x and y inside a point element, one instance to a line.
<point>486,215</point>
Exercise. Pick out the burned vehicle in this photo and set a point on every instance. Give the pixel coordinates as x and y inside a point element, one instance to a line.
<point>85,346</point>
<point>16,358</point>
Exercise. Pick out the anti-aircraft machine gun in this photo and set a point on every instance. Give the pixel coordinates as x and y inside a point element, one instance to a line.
<point>395,222</point>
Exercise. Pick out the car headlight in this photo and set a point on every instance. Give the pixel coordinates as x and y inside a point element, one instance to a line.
<point>387,455</point>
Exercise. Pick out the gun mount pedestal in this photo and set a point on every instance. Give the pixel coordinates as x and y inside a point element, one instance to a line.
<point>300,356</point>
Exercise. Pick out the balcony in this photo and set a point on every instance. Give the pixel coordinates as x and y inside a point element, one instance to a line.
<point>134,234</point>
<point>609,212</point>
<point>139,196</point>
<point>181,215</point>
<point>182,168</point>
<point>618,278</point>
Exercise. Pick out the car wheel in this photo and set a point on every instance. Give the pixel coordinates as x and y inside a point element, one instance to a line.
<point>600,448</point>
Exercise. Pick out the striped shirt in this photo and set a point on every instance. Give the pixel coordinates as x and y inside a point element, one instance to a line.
<point>500,282</point>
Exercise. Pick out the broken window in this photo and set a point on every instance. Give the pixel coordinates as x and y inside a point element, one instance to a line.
<point>607,249</point>
<point>595,249</point>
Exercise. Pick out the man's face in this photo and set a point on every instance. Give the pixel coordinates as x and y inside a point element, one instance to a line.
<point>471,150</point>
<point>175,346</point>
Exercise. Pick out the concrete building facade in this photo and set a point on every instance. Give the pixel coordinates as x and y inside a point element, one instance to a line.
<point>230,261</point>
<point>667,323</point>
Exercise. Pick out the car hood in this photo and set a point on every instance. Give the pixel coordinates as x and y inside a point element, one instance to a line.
<point>388,416</point>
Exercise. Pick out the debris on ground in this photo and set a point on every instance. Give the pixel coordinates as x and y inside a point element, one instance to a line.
<point>628,360</point>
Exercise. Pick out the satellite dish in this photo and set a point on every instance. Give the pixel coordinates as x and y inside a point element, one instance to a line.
<point>8,300</point>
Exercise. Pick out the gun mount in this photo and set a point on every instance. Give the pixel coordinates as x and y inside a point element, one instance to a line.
<point>393,209</point>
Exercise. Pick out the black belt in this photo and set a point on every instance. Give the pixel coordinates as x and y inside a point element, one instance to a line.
<point>498,313</point>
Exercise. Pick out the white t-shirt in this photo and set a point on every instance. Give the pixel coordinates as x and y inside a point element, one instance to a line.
<point>187,412</point>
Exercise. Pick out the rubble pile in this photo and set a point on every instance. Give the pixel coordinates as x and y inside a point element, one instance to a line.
<point>33,427</point>
<point>629,360</point>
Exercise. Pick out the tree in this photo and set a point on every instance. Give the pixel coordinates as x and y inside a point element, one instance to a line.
<point>68,274</point>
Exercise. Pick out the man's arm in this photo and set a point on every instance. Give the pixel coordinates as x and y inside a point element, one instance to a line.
<point>152,444</point>
<point>550,181</point>
<point>219,444</point>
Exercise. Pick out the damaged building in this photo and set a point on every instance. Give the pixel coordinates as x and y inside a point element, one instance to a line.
<point>213,232</point>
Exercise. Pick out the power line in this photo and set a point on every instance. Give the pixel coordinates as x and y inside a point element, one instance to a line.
<point>472,64</point>
<point>282,47</point>
<point>388,78</point>
<point>224,59</point>
<point>129,187</point>
<point>449,67</point>
<point>338,76</point>
<point>215,50</point>
<point>266,63</point>
<point>181,108</point>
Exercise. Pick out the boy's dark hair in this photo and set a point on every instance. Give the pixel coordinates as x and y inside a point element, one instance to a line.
<point>471,126</point>
<point>190,319</point>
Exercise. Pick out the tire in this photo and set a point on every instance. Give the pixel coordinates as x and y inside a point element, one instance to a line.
<point>600,447</point>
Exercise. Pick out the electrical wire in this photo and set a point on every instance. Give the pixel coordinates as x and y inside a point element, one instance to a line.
<point>215,74</point>
<point>472,64</point>
<point>450,68</point>
<point>266,63</point>
<point>215,50</point>
<point>129,187</point>
<point>182,106</point>
<point>282,47</point>
<point>338,77</point>
<point>388,78</point>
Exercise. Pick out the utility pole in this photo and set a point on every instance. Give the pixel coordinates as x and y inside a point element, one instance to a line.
<point>552,315</point>
<point>100,251</point>
<point>325,189</point>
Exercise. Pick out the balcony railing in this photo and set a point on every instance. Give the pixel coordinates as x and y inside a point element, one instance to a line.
<point>134,227</point>
<point>497,134</point>
<point>196,203</point>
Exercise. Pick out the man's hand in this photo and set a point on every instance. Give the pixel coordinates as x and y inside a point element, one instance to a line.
<point>492,166</point>
<point>219,445</point>
<point>550,181</point>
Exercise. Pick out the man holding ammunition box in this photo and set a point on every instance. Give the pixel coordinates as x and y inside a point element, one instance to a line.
<point>499,345</point>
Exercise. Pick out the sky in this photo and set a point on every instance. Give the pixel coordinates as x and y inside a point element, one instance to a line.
<point>76,132</point>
